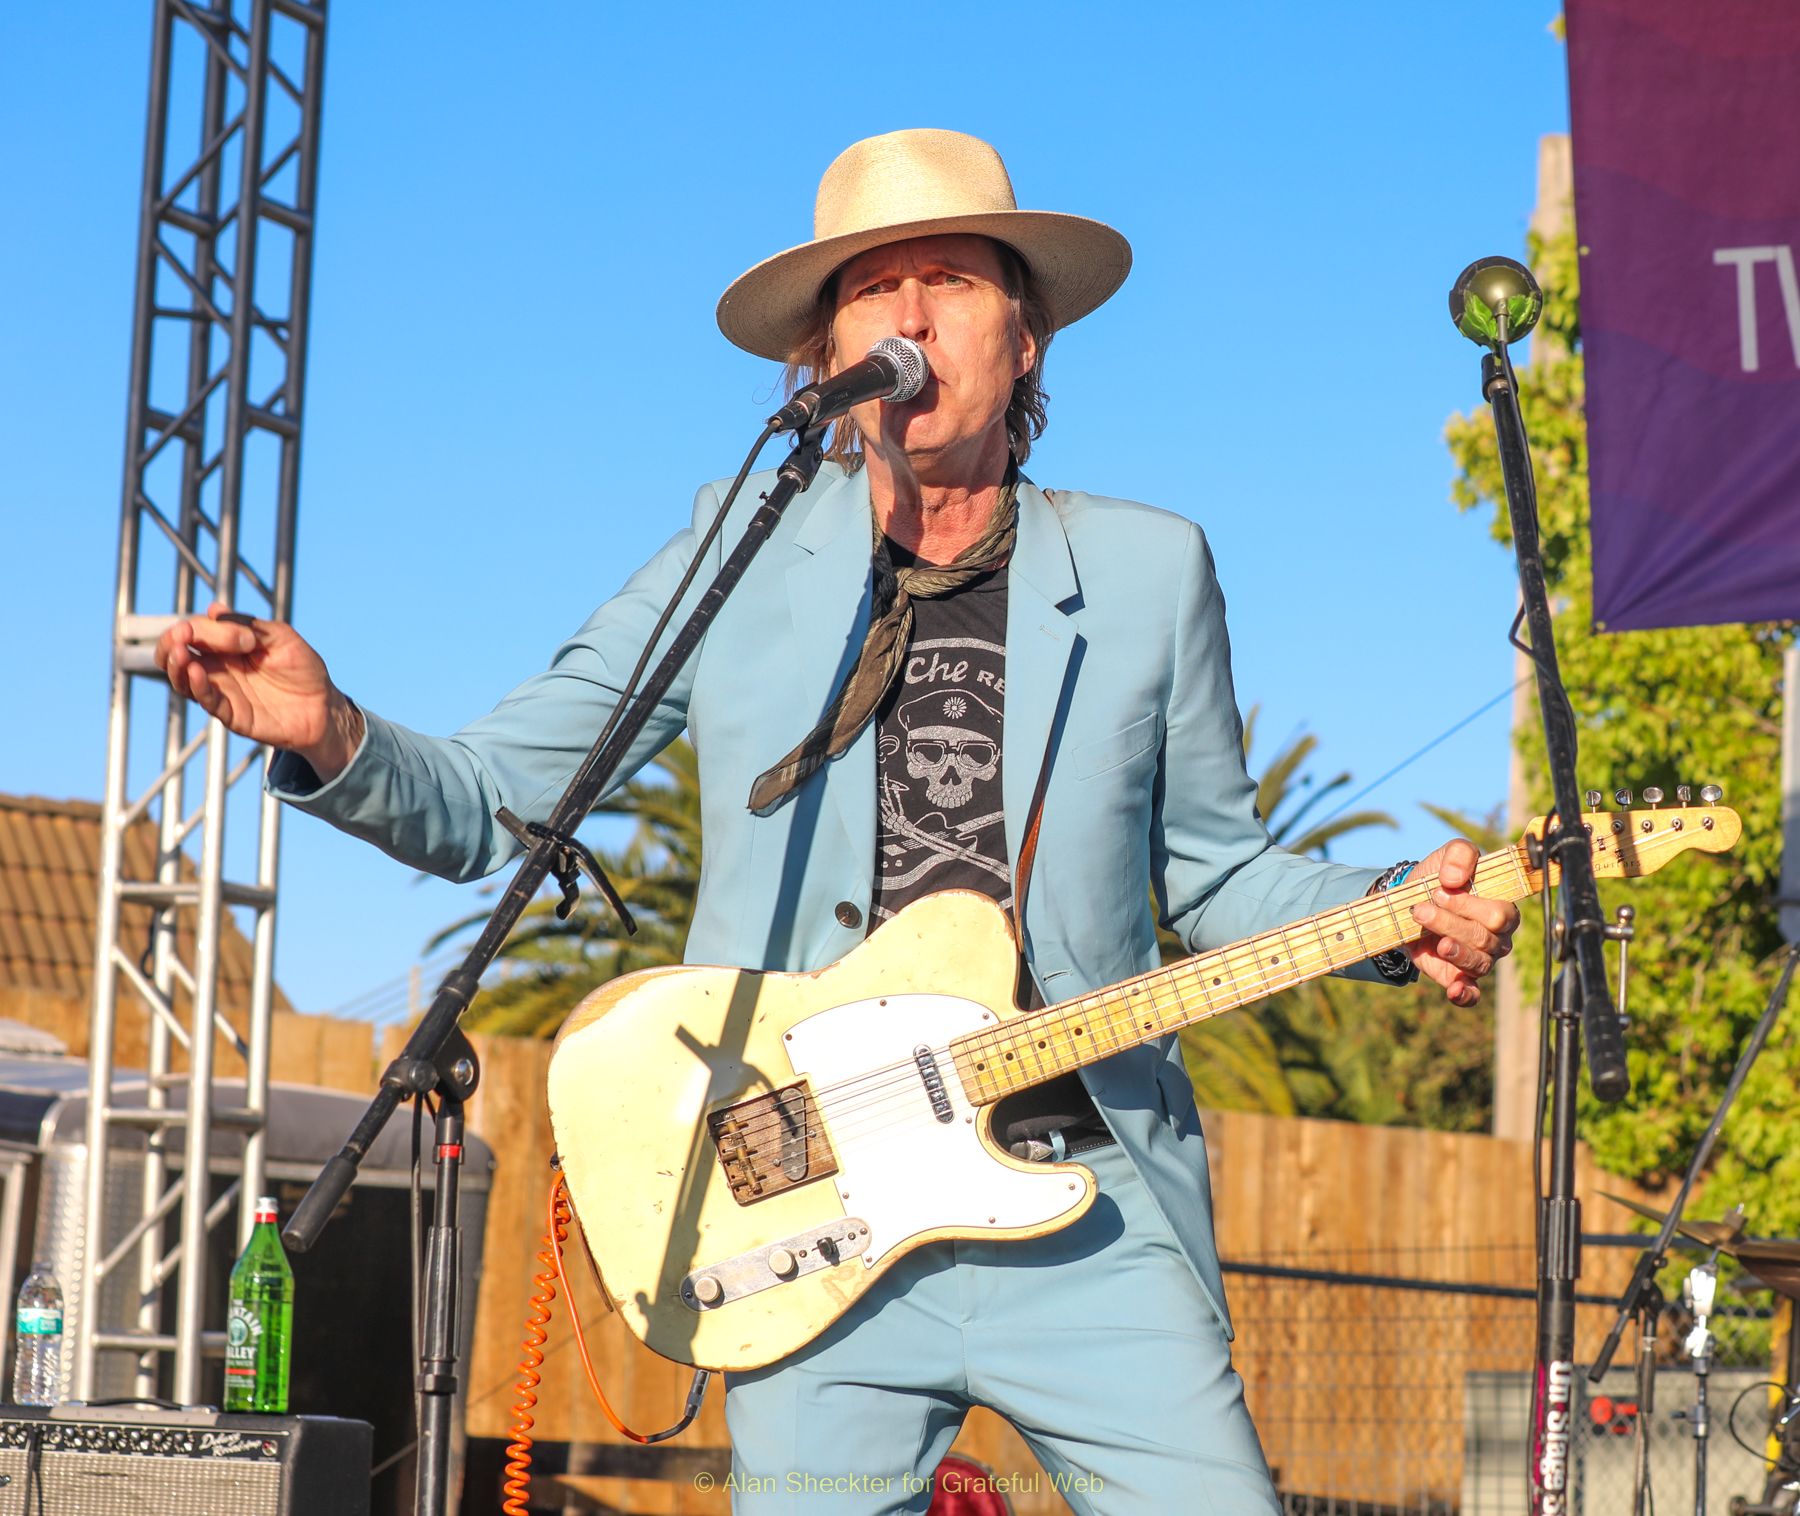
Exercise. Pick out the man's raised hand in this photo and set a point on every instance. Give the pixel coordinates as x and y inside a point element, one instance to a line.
<point>265,682</point>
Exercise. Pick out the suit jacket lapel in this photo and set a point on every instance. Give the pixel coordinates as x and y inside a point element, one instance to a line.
<point>1040,639</point>
<point>828,603</point>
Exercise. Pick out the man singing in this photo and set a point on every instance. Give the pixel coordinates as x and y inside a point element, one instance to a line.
<point>931,658</point>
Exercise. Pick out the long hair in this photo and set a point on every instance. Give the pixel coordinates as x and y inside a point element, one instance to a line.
<point>815,355</point>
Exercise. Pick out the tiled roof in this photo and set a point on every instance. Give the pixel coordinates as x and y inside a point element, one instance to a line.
<point>49,883</point>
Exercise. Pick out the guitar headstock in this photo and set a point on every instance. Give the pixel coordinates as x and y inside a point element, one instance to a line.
<point>1631,842</point>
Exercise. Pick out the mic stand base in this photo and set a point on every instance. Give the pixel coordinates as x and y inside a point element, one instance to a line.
<point>437,1381</point>
<point>1559,1267</point>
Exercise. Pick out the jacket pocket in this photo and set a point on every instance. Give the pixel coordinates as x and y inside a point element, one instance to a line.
<point>1105,753</point>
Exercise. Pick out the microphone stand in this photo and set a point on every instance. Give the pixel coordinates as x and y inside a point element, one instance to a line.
<point>438,1059</point>
<point>1494,302</point>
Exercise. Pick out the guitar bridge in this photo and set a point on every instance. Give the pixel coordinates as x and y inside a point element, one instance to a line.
<point>771,1143</point>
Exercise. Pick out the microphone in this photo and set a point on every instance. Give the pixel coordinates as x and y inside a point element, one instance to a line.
<point>1492,288</point>
<point>894,370</point>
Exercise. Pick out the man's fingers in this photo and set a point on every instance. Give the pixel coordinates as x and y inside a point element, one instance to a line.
<point>209,634</point>
<point>1457,868</point>
<point>1486,925</point>
<point>1458,987</point>
<point>1472,961</point>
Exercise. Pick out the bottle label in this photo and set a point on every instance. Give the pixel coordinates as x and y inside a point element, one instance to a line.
<point>243,1330</point>
<point>37,1321</point>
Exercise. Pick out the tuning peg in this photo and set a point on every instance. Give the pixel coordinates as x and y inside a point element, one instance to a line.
<point>1711,794</point>
<point>1683,795</point>
<point>1593,798</point>
<point>1623,797</point>
<point>1654,796</point>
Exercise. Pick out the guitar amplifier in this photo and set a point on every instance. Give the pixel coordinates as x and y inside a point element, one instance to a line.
<point>78,1460</point>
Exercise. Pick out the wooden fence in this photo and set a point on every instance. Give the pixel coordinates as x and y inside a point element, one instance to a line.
<point>1329,1195</point>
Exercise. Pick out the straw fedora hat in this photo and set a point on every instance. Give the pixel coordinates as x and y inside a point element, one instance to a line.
<point>915,184</point>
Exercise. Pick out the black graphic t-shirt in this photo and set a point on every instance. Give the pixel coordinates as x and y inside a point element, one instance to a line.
<point>940,820</point>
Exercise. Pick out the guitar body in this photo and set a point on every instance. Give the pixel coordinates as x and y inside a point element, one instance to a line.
<point>749,1152</point>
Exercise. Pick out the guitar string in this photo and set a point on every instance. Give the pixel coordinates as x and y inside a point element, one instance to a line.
<point>1163,989</point>
<point>1160,986</point>
<point>868,1094</point>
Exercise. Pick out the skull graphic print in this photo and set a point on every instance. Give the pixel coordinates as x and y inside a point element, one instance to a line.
<point>940,823</point>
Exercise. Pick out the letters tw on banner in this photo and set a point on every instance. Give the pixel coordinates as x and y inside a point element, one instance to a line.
<point>1686,125</point>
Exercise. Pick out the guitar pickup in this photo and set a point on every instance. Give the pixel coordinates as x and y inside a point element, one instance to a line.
<point>771,1143</point>
<point>717,1284</point>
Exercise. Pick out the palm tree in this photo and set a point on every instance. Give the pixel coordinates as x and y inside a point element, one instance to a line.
<point>548,963</point>
<point>1375,1054</point>
<point>1255,1060</point>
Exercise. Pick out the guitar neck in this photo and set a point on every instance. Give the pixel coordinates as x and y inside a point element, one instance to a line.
<point>1028,1050</point>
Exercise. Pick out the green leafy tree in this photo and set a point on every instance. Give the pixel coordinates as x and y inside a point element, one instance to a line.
<point>1689,705</point>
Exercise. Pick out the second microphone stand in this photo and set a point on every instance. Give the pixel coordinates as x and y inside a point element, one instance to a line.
<point>1494,302</point>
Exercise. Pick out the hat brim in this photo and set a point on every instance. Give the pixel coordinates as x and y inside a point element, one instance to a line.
<point>1077,265</point>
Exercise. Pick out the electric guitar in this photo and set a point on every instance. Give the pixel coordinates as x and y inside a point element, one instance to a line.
<point>749,1152</point>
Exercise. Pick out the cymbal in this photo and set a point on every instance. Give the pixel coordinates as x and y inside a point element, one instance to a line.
<point>1776,1264</point>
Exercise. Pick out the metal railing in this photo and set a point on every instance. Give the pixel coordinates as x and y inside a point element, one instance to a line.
<point>1399,1384</point>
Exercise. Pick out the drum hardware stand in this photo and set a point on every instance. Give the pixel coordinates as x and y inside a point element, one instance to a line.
<point>1698,1292</point>
<point>1641,1296</point>
<point>437,1056</point>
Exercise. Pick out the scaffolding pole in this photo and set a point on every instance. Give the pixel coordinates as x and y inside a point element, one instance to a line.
<point>211,478</point>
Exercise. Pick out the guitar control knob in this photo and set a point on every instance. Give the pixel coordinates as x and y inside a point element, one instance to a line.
<point>708,1291</point>
<point>1623,797</point>
<point>1593,798</point>
<point>1683,794</point>
<point>1654,796</point>
<point>782,1262</point>
<point>1711,794</point>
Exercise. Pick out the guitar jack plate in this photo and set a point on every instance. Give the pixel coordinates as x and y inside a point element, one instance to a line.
<point>718,1284</point>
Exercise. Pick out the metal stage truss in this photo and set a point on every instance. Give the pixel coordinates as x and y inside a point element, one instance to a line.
<point>212,457</point>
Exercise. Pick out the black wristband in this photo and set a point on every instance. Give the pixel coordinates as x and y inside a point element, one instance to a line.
<point>1395,965</point>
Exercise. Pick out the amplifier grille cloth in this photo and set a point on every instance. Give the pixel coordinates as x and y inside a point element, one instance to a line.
<point>130,1484</point>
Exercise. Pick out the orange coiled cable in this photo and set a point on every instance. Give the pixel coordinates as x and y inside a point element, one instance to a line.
<point>517,1485</point>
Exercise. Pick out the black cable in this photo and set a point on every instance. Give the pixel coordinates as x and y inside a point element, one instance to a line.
<point>415,1226</point>
<point>1545,996</point>
<point>700,549</point>
<point>1760,1454</point>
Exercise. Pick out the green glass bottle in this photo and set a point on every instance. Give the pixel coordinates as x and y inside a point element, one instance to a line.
<point>259,1326</point>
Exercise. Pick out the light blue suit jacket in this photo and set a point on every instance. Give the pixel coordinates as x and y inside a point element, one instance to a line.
<point>1118,673</point>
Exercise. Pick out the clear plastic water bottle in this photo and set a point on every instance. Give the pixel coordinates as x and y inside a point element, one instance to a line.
<point>37,1376</point>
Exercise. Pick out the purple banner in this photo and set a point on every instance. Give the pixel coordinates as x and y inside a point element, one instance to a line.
<point>1686,122</point>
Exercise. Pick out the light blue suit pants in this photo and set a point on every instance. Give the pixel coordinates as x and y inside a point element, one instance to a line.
<point>1096,1342</point>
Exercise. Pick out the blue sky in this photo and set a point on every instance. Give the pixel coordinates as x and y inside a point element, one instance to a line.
<point>526,217</point>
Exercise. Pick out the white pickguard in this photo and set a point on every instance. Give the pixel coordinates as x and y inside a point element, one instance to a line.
<point>899,1167</point>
